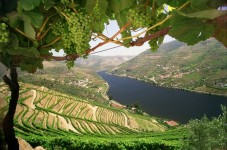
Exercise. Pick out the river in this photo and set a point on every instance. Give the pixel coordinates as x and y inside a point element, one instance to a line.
<point>174,104</point>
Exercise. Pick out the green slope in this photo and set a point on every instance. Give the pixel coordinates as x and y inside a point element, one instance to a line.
<point>202,67</point>
<point>56,120</point>
<point>78,82</point>
<point>63,116</point>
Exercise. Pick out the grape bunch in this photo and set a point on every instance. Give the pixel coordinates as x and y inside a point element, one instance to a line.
<point>154,44</point>
<point>4,33</point>
<point>80,29</point>
<point>139,19</point>
<point>97,14</point>
<point>60,28</point>
<point>65,2</point>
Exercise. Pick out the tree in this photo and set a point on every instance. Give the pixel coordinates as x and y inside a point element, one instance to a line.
<point>206,134</point>
<point>30,28</point>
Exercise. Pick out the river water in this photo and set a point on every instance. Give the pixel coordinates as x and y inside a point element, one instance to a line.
<point>174,104</point>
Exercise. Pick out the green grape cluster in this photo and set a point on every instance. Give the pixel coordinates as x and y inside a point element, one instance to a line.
<point>139,19</point>
<point>80,29</point>
<point>60,28</point>
<point>4,33</point>
<point>154,44</point>
<point>70,63</point>
<point>97,13</point>
<point>75,29</point>
<point>65,2</point>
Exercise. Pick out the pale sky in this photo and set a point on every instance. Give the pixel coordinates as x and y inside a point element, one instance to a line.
<point>109,31</point>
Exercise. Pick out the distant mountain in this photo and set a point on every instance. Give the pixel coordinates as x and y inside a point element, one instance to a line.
<point>202,67</point>
<point>98,63</point>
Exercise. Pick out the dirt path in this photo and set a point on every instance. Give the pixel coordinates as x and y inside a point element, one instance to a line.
<point>93,108</point>
<point>30,101</point>
<point>126,121</point>
<point>66,125</point>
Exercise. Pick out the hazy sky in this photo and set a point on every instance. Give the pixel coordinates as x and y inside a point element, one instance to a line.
<point>110,30</point>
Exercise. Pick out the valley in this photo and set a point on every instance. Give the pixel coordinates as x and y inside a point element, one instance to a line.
<point>199,68</point>
<point>56,102</point>
<point>43,116</point>
<point>60,108</point>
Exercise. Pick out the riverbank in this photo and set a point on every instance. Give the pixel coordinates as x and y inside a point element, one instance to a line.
<point>171,103</point>
<point>185,89</point>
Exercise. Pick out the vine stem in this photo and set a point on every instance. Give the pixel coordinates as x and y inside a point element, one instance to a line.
<point>41,29</point>
<point>147,3</point>
<point>61,13</point>
<point>44,34</point>
<point>157,24</point>
<point>104,37</point>
<point>22,33</point>
<point>153,8</point>
<point>75,56</point>
<point>110,39</point>
<point>52,42</point>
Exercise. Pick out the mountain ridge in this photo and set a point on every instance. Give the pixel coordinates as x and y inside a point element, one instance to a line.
<point>200,68</point>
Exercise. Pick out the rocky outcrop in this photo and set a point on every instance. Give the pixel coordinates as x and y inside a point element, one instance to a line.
<point>23,145</point>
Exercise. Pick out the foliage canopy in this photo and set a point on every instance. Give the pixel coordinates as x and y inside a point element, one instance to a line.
<point>30,28</point>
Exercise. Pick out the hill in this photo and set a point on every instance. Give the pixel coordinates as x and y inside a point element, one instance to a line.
<point>56,120</point>
<point>99,63</point>
<point>76,81</point>
<point>202,67</point>
<point>74,113</point>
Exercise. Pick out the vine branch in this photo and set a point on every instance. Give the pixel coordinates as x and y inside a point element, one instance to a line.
<point>104,37</point>
<point>138,42</point>
<point>149,37</point>
<point>22,33</point>
<point>38,36</point>
<point>157,24</point>
<point>75,56</point>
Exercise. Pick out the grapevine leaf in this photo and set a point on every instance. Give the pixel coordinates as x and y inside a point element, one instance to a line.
<point>6,60</point>
<point>209,14</point>
<point>201,4</point>
<point>118,5</point>
<point>102,5</point>
<point>35,18</point>
<point>29,21</point>
<point>29,4</point>
<point>28,28</point>
<point>160,40</point>
<point>50,37</point>
<point>48,4</point>
<point>90,5</point>
<point>19,8</point>
<point>31,64</point>
<point>99,26</point>
<point>124,34</point>
<point>121,19</point>
<point>206,4</point>
<point>13,43</point>
<point>28,52</point>
<point>14,19</point>
<point>173,3</point>
<point>160,2</point>
<point>190,30</point>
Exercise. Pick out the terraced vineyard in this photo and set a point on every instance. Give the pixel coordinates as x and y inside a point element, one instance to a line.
<point>41,110</point>
<point>58,121</point>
